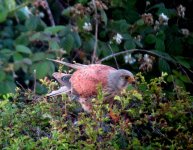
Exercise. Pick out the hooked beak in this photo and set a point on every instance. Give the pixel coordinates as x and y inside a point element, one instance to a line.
<point>131,80</point>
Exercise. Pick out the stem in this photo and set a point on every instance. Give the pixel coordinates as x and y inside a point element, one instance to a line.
<point>96,32</point>
<point>136,50</point>
<point>51,18</point>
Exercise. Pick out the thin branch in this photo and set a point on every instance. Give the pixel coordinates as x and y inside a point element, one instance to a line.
<point>138,51</point>
<point>34,90</point>
<point>48,10</point>
<point>114,56</point>
<point>150,53</point>
<point>96,32</point>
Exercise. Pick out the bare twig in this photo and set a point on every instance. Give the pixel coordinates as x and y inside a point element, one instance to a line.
<point>114,56</point>
<point>48,10</point>
<point>34,82</point>
<point>137,51</point>
<point>96,32</point>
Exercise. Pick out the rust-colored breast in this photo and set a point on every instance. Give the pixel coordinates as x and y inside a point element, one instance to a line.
<point>86,80</point>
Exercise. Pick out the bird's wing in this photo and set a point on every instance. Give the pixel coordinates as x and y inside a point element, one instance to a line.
<point>74,66</point>
<point>62,90</point>
<point>62,78</point>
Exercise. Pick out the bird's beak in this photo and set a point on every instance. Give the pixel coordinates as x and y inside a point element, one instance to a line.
<point>131,80</point>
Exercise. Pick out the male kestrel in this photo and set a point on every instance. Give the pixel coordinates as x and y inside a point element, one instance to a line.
<point>84,81</point>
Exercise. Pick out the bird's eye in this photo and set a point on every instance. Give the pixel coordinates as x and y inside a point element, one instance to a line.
<point>126,77</point>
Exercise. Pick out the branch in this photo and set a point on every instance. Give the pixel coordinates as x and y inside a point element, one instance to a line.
<point>138,51</point>
<point>51,18</point>
<point>96,32</point>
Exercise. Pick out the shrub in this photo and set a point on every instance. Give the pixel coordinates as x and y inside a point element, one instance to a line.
<point>144,117</point>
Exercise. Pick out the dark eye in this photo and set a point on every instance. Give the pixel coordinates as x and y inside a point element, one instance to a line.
<point>126,77</point>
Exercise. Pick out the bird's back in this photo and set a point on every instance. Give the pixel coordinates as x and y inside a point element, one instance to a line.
<point>86,80</point>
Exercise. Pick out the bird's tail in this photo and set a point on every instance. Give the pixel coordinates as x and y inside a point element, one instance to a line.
<point>62,90</point>
<point>74,66</point>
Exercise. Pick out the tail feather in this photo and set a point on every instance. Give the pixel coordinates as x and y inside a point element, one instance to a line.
<point>74,66</point>
<point>62,90</point>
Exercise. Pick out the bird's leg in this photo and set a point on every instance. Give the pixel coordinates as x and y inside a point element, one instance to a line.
<point>86,105</point>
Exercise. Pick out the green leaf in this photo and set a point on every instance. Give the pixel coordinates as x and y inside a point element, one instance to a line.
<point>140,22</point>
<point>23,49</point>
<point>185,79</point>
<point>2,75</point>
<point>150,39</point>
<point>32,23</point>
<point>6,53</point>
<point>42,69</point>
<point>66,12</point>
<point>104,16</point>
<point>7,87</point>
<point>3,13</point>
<point>39,36</point>
<point>77,40</point>
<point>38,56</point>
<point>164,56</point>
<point>10,5</point>
<point>129,44</point>
<point>54,30</point>
<point>23,39</point>
<point>163,66</point>
<point>160,45</point>
<point>53,45</point>
<point>67,43</point>
<point>120,26</point>
<point>17,57</point>
<point>182,61</point>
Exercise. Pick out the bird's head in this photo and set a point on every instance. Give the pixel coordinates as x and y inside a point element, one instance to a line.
<point>120,79</point>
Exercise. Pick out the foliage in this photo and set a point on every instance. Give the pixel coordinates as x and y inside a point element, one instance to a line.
<point>146,117</point>
<point>30,34</point>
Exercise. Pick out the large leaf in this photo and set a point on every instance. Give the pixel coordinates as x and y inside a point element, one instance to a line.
<point>38,56</point>
<point>23,49</point>
<point>77,40</point>
<point>54,30</point>
<point>7,87</point>
<point>2,75</point>
<point>104,16</point>
<point>39,36</point>
<point>129,44</point>
<point>17,57</point>
<point>32,23</point>
<point>182,61</point>
<point>53,45</point>
<point>150,39</point>
<point>23,39</point>
<point>159,45</point>
<point>42,69</point>
<point>3,13</point>
<point>67,43</point>
<point>163,65</point>
<point>120,26</point>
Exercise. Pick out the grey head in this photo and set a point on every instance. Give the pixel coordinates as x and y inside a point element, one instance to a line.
<point>120,79</point>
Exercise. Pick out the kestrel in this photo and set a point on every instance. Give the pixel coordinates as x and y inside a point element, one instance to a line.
<point>83,83</point>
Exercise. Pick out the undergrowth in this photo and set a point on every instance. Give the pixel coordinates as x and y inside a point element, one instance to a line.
<point>142,117</point>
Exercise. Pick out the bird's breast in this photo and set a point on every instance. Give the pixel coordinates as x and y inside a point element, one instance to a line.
<point>85,81</point>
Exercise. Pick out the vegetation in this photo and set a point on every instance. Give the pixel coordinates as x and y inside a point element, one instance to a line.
<point>150,37</point>
<point>143,118</point>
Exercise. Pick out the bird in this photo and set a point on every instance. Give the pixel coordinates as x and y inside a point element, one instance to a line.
<point>83,83</point>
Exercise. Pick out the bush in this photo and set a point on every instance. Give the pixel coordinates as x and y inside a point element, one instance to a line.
<point>146,117</point>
